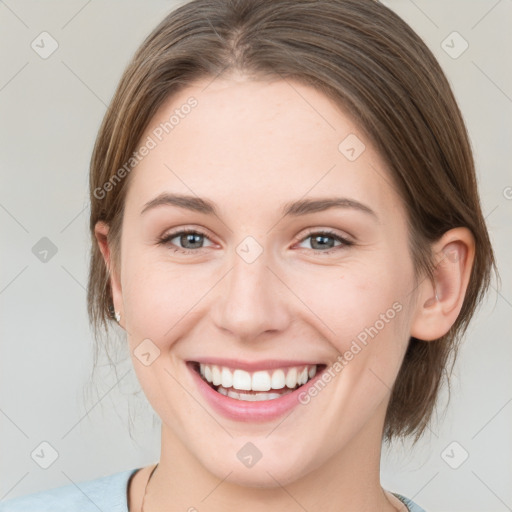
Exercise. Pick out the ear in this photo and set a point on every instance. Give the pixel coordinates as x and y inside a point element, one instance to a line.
<point>439,303</point>
<point>101,230</point>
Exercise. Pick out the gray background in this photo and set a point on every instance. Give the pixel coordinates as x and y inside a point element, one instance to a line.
<point>50,111</point>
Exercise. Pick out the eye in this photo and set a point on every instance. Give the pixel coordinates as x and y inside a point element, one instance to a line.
<point>191,239</point>
<point>320,241</point>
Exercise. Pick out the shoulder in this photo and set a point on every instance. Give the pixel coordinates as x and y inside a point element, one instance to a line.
<point>413,507</point>
<point>105,493</point>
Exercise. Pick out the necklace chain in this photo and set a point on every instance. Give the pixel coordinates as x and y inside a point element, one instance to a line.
<point>146,488</point>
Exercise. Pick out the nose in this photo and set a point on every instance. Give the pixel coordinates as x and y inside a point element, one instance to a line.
<point>252,301</point>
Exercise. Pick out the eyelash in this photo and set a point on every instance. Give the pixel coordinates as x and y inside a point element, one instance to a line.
<point>330,234</point>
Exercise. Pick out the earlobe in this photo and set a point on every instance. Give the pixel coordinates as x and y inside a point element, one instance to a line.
<point>439,302</point>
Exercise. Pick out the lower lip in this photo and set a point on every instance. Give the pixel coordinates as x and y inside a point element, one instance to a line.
<point>242,410</point>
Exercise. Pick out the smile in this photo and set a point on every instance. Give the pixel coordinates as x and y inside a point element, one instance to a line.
<point>256,386</point>
<point>257,391</point>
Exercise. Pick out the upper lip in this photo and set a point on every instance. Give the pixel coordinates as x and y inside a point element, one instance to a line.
<point>252,366</point>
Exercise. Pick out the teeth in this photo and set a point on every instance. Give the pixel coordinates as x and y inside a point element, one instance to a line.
<point>241,380</point>
<point>278,379</point>
<point>261,381</point>
<point>291,378</point>
<point>233,381</point>
<point>248,397</point>
<point>216,378</point>
<point>303,377</point>
<point>227,378</point>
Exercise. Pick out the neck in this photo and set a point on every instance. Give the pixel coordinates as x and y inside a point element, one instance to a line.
<point>347,480</point>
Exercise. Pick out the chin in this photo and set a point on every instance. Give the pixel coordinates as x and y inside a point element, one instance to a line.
<point>271,465</point>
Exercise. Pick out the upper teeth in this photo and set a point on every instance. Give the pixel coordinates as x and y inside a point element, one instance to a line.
<point>257,381</point>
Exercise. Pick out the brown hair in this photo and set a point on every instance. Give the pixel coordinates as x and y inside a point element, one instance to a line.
<point>367,59</point>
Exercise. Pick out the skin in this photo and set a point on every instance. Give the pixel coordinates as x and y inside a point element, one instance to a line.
<point>251,146</point>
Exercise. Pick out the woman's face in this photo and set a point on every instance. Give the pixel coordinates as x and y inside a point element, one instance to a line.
<point>272,285</point>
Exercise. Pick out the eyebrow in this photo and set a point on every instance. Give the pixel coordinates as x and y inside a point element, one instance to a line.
<point>293,208</point>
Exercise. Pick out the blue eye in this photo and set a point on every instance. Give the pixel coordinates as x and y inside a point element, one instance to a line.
<point>192,241</point>
<point>320,239</point>
<point>195,238</point>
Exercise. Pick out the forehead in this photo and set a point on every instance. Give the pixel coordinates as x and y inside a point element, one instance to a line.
<point>262,143</point>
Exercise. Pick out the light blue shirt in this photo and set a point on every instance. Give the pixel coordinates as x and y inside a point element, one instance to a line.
<point>106,494</point>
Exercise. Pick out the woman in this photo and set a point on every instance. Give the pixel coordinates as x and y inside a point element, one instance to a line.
<point>286,223</point>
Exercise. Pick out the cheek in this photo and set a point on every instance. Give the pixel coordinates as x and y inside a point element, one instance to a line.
<point>354,298</point>
<point>159,297</point>
<point>372,331</point>
<point>363,310</point>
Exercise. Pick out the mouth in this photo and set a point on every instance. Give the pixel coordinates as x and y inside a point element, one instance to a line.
<point>255,386</point>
